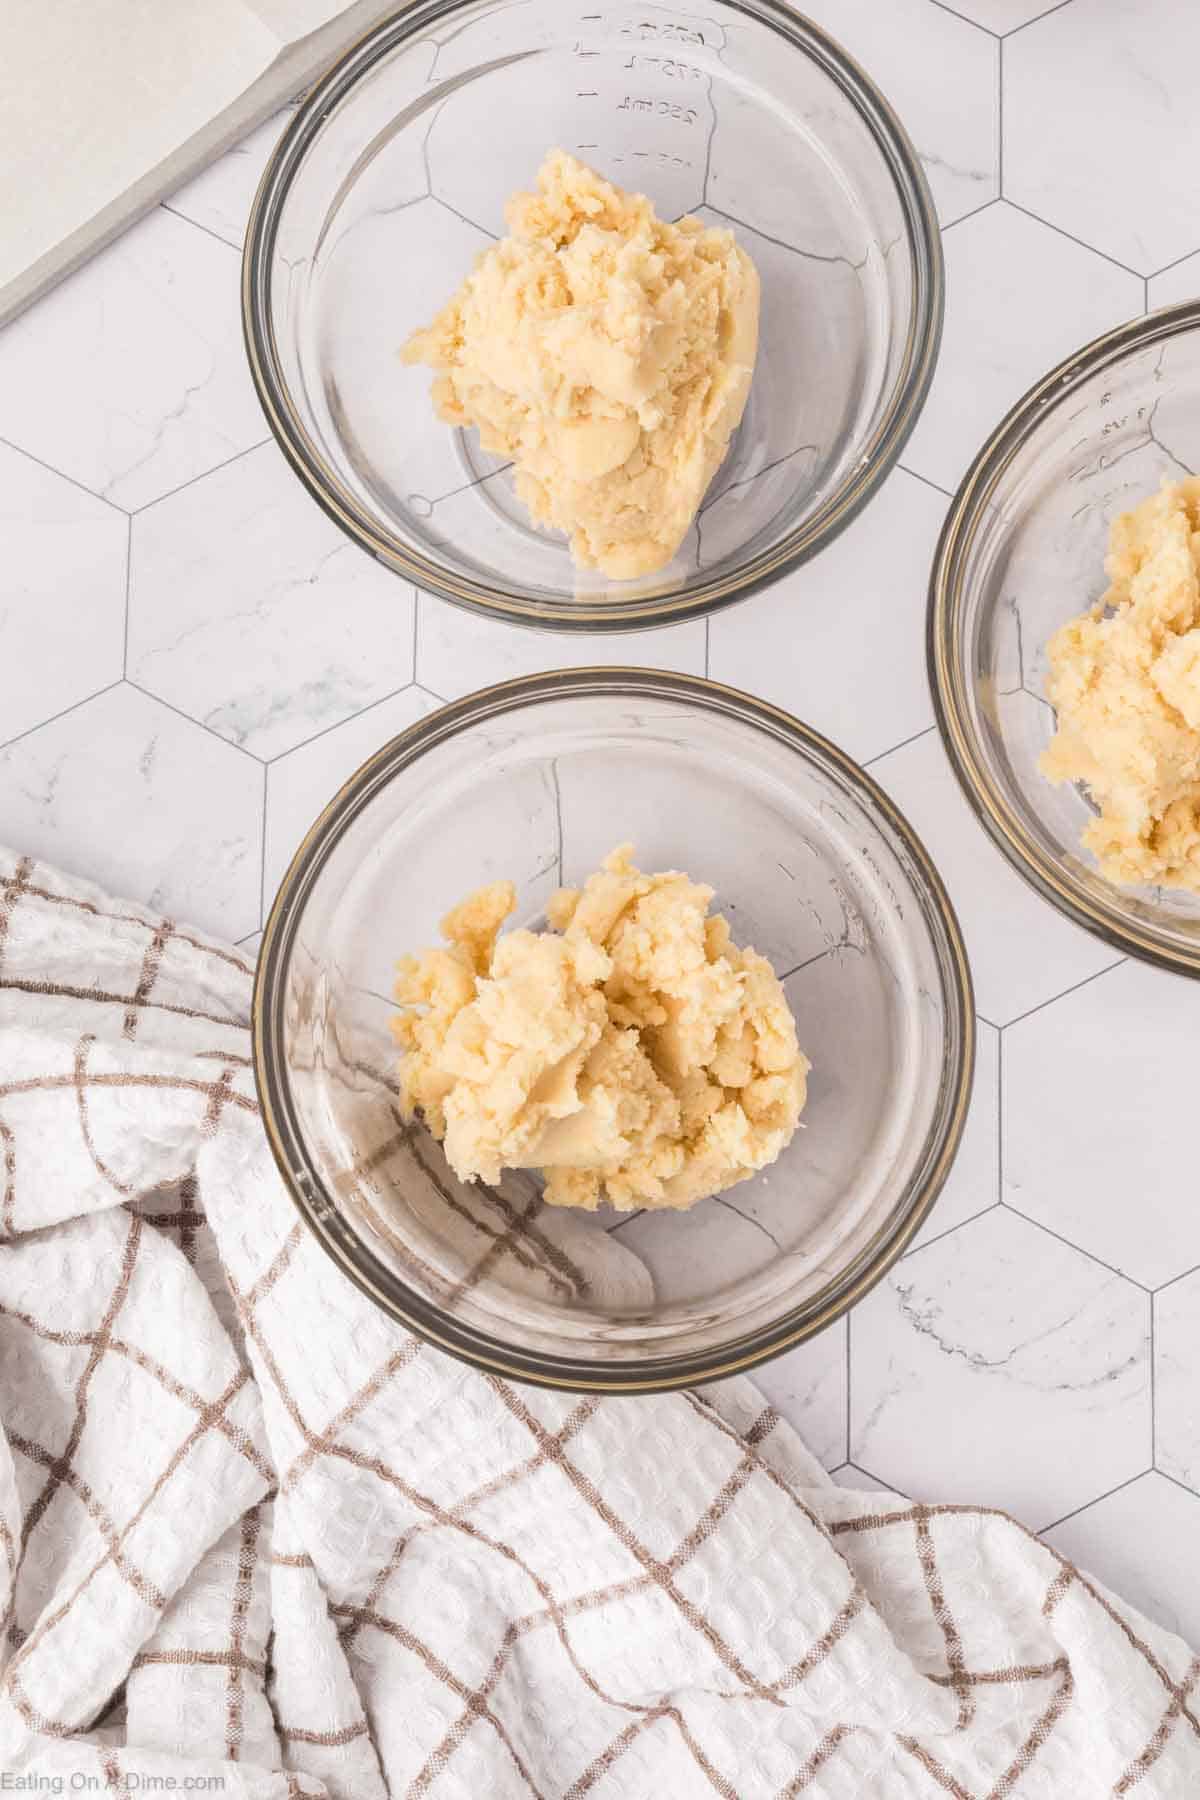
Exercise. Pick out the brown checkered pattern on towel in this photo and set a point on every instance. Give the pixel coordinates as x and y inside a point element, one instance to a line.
<point>248,1529</point>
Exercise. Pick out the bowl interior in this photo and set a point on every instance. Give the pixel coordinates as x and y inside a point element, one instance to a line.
<point>382,197</point>
<point>807,868</point>
<point>1029,553</point>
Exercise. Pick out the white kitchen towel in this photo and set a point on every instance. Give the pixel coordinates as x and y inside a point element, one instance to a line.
<point>255,1539</point>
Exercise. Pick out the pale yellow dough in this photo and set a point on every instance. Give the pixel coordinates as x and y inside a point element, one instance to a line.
<point>1125,682</point>
<point>608,354</point>
<point>633,1054</point>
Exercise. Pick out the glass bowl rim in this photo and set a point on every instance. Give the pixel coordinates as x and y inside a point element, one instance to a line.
<point>700,596</point>
<point>423,1318</point>
<point>947,678</point>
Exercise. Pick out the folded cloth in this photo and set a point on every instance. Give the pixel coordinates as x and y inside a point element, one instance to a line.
<point>254,1536</point>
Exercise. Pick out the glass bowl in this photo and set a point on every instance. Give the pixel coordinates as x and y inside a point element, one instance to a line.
<point>393,177</point>
<point>1022,551</point>
<point>536,780</point>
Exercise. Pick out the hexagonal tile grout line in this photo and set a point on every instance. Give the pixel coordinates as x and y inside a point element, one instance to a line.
<point>262,867</point>
<point>1068,1244</point>
<point>902,745</point>
<point>903,467</point>
<point>165,206</point>
<point>1153,1386</point>
<point>229,744</point>
<point>128,584</point>
<point>136,511</point>
<point>1071,238</point>
<point>71,480</point>
<point>953,224</point>
<point>1000,120</point>
<point>1164,1285</point>
<point>940,1237</point>
<point>1173,264</point>
<point>1073,989</point>
<point>998,36</point>
<point>796,249</point>
<point>62,713</point>
<point>1036,20</point>
<point>445,204</point>
<point>1174,1480</point>
<point>1076,1510</point>
<point>849,1322</point>
<point>1000,1117</point>
<point>884,1486</point>
<point>327,730</point>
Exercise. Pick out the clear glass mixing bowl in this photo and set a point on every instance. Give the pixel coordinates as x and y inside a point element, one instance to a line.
<point>393,177</point>
<point>535,781</point>
<point>1021,552</point>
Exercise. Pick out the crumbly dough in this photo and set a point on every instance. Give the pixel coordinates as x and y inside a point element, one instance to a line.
<point>633,1053</point>
<point>608,354</point>
<point>1125,681</point>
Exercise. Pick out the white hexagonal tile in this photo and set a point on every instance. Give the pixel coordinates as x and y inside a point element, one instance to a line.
<point>302,783</point>
<point>1022,952</point>
<point>850,1476</point>
<point>1138,1542</point>
<point>220,197</point>
<point>1101,135</point>
<point>952,121</point>
<point>858,608</point>
<point>131,376</point>
<point>124,791</point>
<point>807,1387</point>
<point>1019,297</point>
<point>974,1182</point>
<point>1098,1096</point>
<point>62,602</point>
<point>1000,1366</point>
<point>1177,1379</point>
<point>251,612</point>
<point>1179,282</point>
<point>1001,16</point>
<point>458,651</point>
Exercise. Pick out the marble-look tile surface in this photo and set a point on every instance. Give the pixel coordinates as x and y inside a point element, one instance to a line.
<point>783,643</point>
<point>125,792</point>
<point>220,197</point>
<point>997,1360</point>
<point>849,1475</point>
<point>1177,1379</point>
<point>974,1182</point>
<point>1000,1365</point>
<point>253,613</point>
<point>1117,169</point>
<point>62,593</point>
<point>1001,16</point>
<point>1181,281</point>
<point>458,652</point>
<point>131,376</point>
<point>1022,952</point>
<point>302,783</point>
<point>1099,1100</point>
<point>952,121</point>
<point>1139,1543</point>
<point>1003,330</point>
